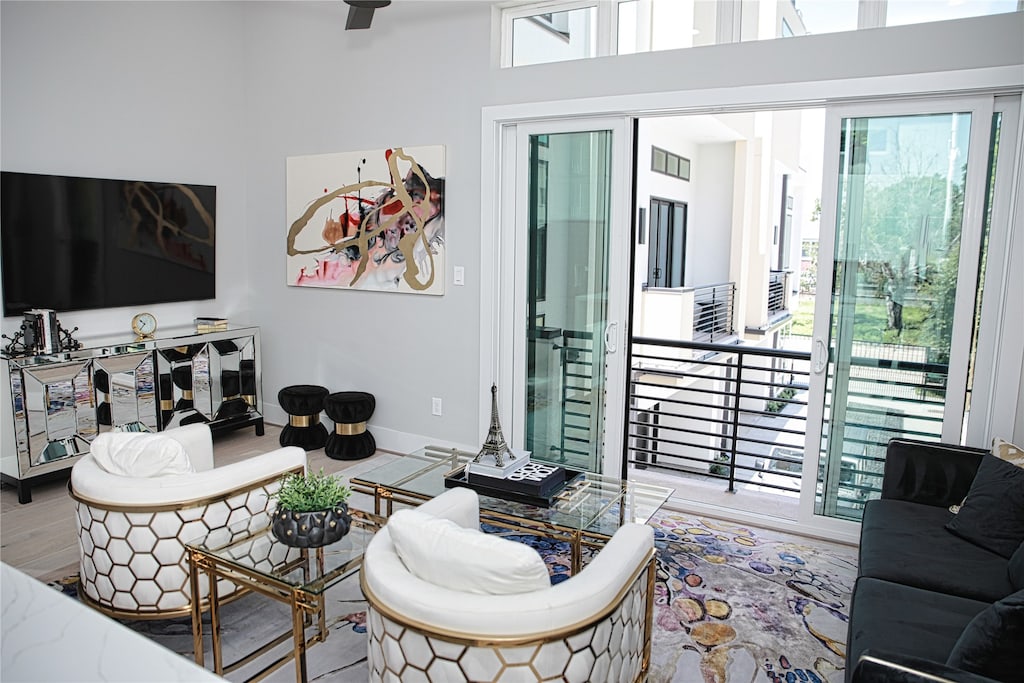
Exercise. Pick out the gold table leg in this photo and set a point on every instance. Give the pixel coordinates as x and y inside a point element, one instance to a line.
<point>197,611</point>
<point>218,656</point>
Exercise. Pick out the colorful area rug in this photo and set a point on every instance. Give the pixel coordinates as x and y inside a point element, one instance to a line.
<point>733,604</point>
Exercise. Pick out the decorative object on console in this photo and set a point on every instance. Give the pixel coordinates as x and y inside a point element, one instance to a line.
<point>144,325</point>
<point>311,510</point>
<point>42,333</point>
<point>350,411</point>
<point>303,403</point>
<point>390,239</point>
<point>208,324</point>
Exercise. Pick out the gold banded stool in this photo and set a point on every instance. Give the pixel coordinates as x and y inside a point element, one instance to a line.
<point>350,411</point>
<point>303,403</point>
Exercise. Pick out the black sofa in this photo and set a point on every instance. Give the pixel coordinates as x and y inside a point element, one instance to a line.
<point>924,591</point>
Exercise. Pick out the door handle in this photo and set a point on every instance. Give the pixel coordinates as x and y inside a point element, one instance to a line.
<point>609,337</point>
<point>821,354</point>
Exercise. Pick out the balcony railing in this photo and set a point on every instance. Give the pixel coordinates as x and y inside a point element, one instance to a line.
<point>713,311</point>
<point>778,292</point>
<point>726,411</point>
<point>739,414</point>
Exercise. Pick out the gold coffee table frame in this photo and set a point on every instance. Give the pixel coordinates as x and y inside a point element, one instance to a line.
<point>249,556</point>
<point>588,520</point>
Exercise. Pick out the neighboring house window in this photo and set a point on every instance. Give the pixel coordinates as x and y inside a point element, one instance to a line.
<point>667,249</point>
<point>671,164</point>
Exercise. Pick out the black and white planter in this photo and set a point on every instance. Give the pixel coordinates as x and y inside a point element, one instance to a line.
<point>311,529</point>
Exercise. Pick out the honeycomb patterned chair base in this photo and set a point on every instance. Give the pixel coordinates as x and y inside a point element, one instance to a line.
<point>132,530</point>
<point>595,626</point>
<point>303,403</point>
<point>350,410</point>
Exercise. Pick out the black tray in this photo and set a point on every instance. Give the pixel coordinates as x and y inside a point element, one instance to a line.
<point>458,478</point>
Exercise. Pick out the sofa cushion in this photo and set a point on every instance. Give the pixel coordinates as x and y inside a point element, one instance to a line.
<point>1016,568</point>
<point>441,552</point>
<point>992,516</point>
<point>901,541</point>
<point>1004,450</point>
<point>891,617</point>
<point>991,644</point>
<point>133,454</point>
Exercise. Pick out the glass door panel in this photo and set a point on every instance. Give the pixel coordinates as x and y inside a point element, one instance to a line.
<point>889,362</point>
<point>569,223</point>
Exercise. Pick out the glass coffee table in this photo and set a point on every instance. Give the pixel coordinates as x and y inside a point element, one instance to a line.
<point>248,555</point>
<point>587,517</point>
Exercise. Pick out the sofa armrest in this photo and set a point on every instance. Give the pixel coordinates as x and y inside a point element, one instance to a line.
<point>928,472</point>
<point>889,667</point>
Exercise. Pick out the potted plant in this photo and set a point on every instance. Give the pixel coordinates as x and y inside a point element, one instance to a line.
<point>311,510</point>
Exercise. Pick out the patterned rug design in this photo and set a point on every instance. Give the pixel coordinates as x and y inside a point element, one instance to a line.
<point>734,604</point>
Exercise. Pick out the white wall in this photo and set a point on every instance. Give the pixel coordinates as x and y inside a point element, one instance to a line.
<point>223,93</point>
<point>141,91</point>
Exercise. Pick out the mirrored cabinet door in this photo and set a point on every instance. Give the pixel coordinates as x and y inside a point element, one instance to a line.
<point>59,416</point>
<point>125,392</point>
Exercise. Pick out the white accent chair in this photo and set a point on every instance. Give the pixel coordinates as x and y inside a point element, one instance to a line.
<point>132,529</point>
<point>595,626</point>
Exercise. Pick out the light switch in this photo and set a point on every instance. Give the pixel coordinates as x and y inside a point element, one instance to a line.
<point>459,275</point>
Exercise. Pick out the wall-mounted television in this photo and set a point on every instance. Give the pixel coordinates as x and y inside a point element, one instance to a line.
<point>70,243</point>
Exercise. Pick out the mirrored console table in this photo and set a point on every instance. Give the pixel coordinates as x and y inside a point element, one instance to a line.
<point>57,403</point>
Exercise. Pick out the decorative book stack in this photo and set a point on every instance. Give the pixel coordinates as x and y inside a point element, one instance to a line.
<point>204,324</point>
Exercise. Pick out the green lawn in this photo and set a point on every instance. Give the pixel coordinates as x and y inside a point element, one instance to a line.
<point>870,323</point>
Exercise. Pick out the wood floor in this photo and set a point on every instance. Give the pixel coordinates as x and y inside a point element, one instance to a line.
<point>39,538</point>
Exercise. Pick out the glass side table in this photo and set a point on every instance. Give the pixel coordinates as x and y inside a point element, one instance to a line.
<point>248,555</point>
<point>588,519</point>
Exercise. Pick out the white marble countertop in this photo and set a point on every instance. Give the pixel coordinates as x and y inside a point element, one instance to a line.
<point>47,636</point>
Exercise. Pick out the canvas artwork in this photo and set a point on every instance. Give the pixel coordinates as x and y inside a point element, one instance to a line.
<point>371,220</point>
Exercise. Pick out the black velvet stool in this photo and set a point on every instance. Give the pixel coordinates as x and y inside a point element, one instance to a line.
<point>303,403</point>
<point>350,410</point>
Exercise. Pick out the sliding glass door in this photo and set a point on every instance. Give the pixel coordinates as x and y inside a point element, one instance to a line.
<point>907,203</point>
<point>569,295</point>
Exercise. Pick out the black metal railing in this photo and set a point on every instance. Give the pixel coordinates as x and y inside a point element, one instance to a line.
<point>778,294</point>
<point>576,434</point>
<point>713,311</point>
<point>725,411</point>
<point>739,413</point>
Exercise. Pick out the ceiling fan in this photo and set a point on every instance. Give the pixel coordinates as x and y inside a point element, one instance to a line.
<point>360,12</point>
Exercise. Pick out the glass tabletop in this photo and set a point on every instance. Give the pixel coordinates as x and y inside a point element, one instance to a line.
<point>600,506</point>
<point>249,546</point>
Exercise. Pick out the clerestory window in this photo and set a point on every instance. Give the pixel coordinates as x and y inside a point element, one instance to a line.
<point>562,30</point>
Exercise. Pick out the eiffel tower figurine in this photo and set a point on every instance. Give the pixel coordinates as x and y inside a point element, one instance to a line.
<point>495,445</point>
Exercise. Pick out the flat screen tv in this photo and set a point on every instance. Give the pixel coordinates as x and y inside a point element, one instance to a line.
<point>70,243</point>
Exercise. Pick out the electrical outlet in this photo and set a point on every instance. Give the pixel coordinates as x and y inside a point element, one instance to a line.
<point>435,406</point>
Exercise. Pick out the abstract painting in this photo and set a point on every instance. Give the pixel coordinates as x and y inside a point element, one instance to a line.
<point>371,220</point>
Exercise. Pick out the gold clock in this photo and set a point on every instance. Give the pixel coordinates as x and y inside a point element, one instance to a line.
<point>144,325</point>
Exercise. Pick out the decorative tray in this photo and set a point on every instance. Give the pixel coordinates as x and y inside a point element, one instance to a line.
<point>493,487</point>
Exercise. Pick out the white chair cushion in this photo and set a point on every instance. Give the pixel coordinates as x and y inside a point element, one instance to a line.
<point>140,455</point>
<point>441,552</point>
